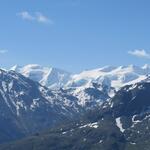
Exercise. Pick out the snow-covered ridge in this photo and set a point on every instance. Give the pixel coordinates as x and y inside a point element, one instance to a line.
<point>104,81</point>
<point>22,94</point>
<point>47,76</point>
<point>111,76</point>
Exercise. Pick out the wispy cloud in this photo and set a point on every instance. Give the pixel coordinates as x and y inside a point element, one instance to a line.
<point>36,16</point>
<point>140,53</point>
<point>26,16</point>
<point>43,19</point>
<point>3,51</point>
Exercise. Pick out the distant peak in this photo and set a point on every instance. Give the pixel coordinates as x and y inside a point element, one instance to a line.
<point>146,66</point>
<point>15,68</point>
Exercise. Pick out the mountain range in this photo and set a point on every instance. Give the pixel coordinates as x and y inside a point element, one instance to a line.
<point>112,76</point>
<point>122,123</point>
<point>105,108</point>
<point>26,106</point>
<point>104,81</point>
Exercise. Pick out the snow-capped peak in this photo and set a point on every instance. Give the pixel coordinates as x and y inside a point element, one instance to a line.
<point>115,77</point>
<point>47,76</point>
<point>14,68</point>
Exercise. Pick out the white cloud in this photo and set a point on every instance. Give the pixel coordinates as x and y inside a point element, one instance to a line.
<point>140,53</point>
<point>3,51</point>
<point>36,16</point>
<point>26,16</point>
<point>43,19</point>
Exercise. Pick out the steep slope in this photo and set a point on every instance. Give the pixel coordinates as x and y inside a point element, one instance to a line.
<point>27,107</point>
<point>92,95</point>
<point>119,124</point>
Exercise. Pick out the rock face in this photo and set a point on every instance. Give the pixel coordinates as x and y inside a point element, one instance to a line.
<point>122,123</point>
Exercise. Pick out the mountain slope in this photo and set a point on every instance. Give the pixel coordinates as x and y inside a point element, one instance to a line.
<point>27,107</point>
<point>121,123</point>
<point>89,96</point>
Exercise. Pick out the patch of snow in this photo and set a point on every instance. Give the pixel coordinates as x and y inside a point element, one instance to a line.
<point>135,121</point>
<point>19,105</point>
<point>112,104</point>
<point>132,143</point>
<point>64,132</point>
<point>91,125</point>
<point>35,104</point>
<point>4,86</point>
<point>5,98</point>
<point>119,124</point>
<point>101,141</point>
<point>10,85</point>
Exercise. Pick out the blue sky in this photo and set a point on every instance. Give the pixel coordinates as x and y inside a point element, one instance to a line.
<point>74,34</point>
